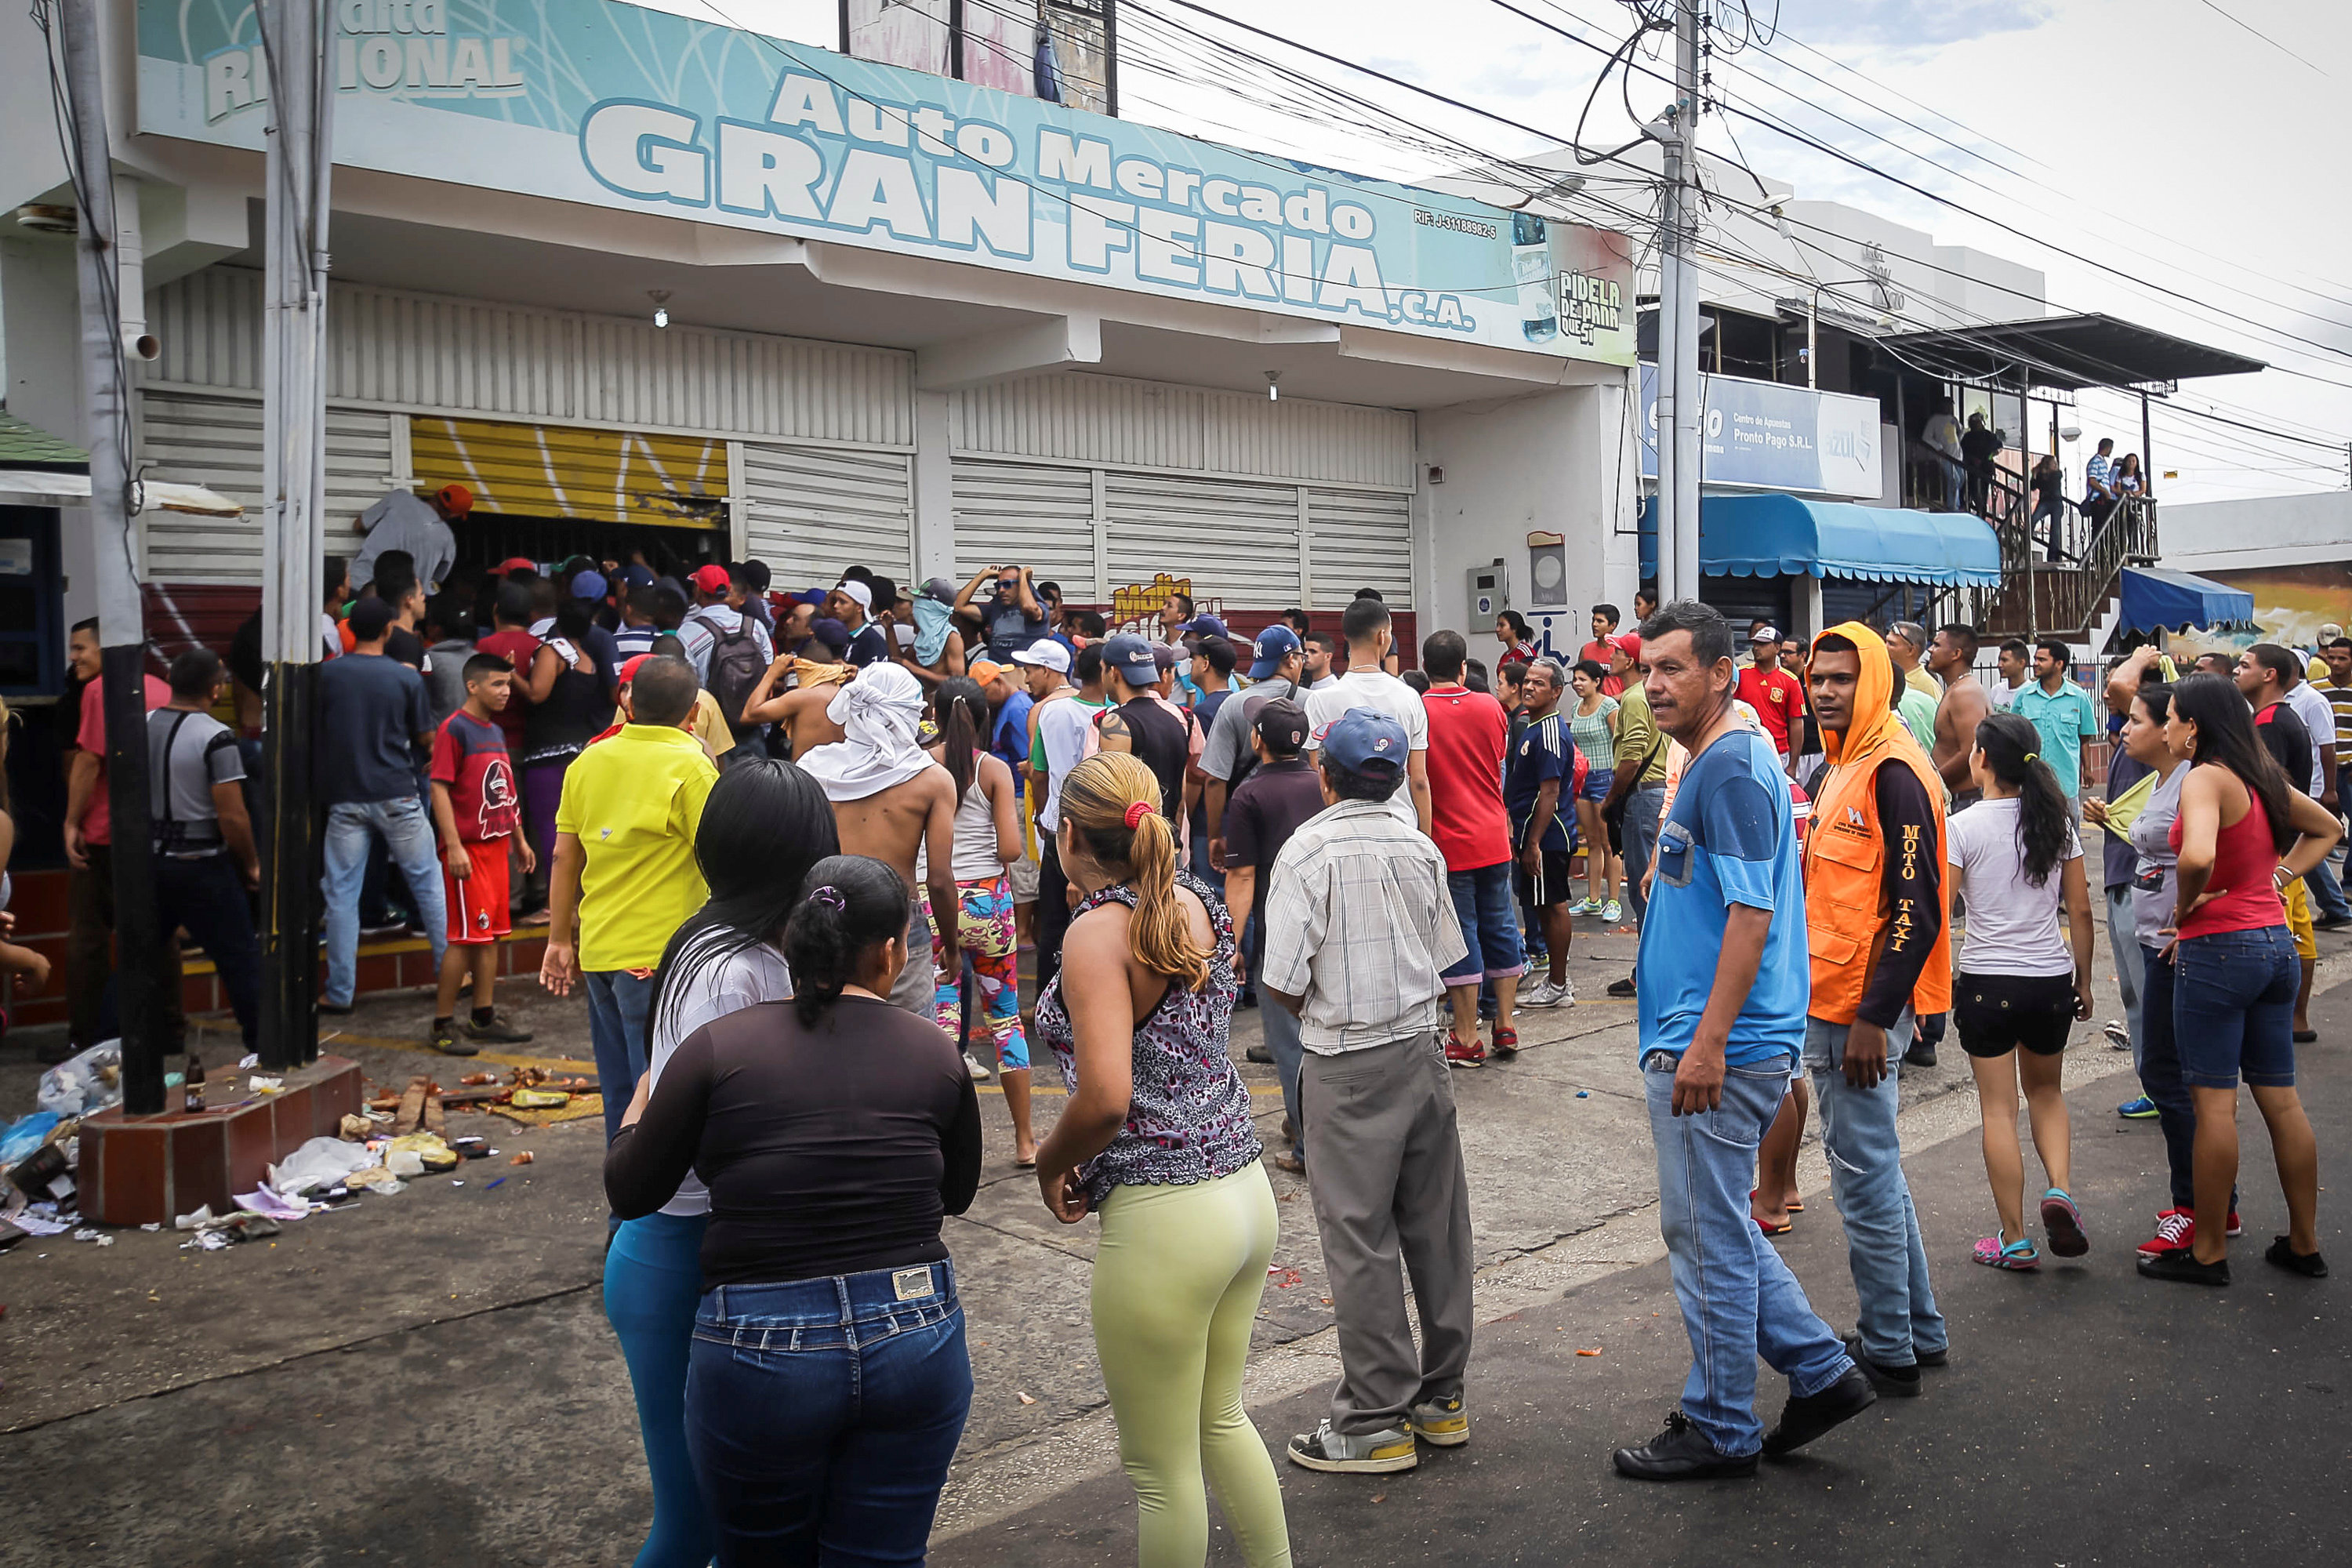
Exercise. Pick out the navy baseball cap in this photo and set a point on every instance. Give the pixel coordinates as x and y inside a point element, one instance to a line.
<point>1366,741</point>
<point>1131,656</point>
<point>1208,626</point>
<point>636,575</point>
<point>1273,646</point>
<point>830,634</point>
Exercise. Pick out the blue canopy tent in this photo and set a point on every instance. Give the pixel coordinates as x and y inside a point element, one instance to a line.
<point>2154,597</point>
<point>1770,535</point>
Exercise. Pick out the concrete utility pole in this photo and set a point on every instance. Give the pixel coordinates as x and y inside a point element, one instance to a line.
<point>120,617</point>
<point>1680,395</point>
<point>293,455</point>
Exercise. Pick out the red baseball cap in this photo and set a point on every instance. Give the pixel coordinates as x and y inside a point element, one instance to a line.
<point>1628,644</point>
<point>515,564</point>
<point>711,579</point>
<point>456,498</point>
<point>629,668</point>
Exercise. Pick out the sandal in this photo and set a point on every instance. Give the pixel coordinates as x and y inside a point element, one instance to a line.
<point>1993,1254</point>
<point>2062,1222</point>
<point>1783,1228</point>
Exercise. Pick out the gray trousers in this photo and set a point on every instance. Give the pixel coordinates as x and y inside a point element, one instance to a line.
<point>916,990</point>
<point>1385,1158</point>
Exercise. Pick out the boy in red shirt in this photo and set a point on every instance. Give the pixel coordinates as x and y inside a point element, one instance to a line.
<point>475,812</point>
<point>1778,697</point>
<point>1467,734</point>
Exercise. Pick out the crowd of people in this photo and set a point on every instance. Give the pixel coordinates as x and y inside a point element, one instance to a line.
<point>794,848</point>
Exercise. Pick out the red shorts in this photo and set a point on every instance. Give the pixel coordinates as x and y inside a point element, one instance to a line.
<point>478,906</point>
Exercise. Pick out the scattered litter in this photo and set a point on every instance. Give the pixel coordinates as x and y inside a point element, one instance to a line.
<point>488,1185</point>
<point>471,1148</point>
<point>1024,1398</point>
<point>25,1135</point>
<point>92,1233</point>
<point>251,1059</point>
<point>44,1219</point>
<point>456,1184</point>
<point>476,1079</point>
<point>521,1159</point>
<point>1285,1278</point>
<point>1584,1094</point>
<point>1595,1351</point>
<point>540,1100</point>
<point>259,1084</point>
<point>197,1221</point>
<point>81,1084</point>
<point>265,1200</point>
<point>152,1225</point>
<point>206,1241</point>
<point>46,1175</point>
<point>373,1178</point>
<point>1380,1497</point>
<point>354,1129</point>
<point>318,1162</point>
<point>429,1150</point>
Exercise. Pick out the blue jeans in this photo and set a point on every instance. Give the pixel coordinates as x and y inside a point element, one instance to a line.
<point>407,834</point>
<point>618,1003</point>
<point>2327,900</point>
<point>822,1414</point>
<point>1281,1025</point>
<point>1956,483</point>
<point>2122,946</point>
<point>1641,836</point>
<point>1490,925</point>
<point>2233,1008</point>
<point>1738,1299</point>
<point>2158,1060</point>
<point>1898,1315</point>
<point>653,1286</point>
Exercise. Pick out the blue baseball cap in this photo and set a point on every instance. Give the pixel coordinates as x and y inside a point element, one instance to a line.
<point>589,586</point>
<point>1366,741</point>
<point>1208,626</point>
<point>1273,646</point>
<point>1131,656</point>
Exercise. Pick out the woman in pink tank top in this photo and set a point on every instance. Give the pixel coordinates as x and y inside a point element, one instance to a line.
<point>2243,835</point>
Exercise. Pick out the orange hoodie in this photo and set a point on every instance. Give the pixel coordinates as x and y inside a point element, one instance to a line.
<point>1875,891</point>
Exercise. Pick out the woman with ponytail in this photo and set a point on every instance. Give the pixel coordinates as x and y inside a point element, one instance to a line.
<point>763,827</point>
<point>1157,1139</point>
<point>987,840</point>
<point>827,1381</point>
<point>2244,834</point>
<point>2019,985</point>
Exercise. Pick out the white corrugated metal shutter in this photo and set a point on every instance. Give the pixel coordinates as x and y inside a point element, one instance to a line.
<point>816,509</point>
<point>1027,515</point>
<point>1238,543</point>
<point>1359,539</point>
<point>216,442</point>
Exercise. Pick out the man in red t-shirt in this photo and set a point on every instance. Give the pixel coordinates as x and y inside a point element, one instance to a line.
<point>1778,697</point>
<point>89,886</point>
<point>1467,732</point>
<point>475,810</point>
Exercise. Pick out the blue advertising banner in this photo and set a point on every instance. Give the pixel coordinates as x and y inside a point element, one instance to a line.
<point>619,107</point>
<point>1761,435</point>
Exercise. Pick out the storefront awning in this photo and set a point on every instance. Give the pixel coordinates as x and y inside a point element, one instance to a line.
<point>2154,597</point>
<point>49,487</point>
<point>1781,535</point>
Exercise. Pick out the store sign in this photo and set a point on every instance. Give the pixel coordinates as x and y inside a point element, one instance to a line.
<point>1761,435</point>
<point>639,110</point>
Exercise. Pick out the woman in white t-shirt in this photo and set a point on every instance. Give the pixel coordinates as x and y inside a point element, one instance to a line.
<point>765,823</point>
<point>2021,981</point>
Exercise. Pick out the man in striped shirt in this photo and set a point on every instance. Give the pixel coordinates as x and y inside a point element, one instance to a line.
<point>2099,494</point>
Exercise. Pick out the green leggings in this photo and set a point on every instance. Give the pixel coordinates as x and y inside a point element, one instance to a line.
<point>1177,1276</point>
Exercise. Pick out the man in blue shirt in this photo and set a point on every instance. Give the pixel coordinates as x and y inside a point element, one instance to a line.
<point>2064,714</point>
<point>1724,983</point>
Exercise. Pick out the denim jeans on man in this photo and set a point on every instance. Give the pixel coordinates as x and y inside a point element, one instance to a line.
<point>1641,834</point>
<point>618,1003</point>
<point>204,894</point>
<point>1489,918</point>
<point>1898,1315</point>
<point>407,835</point>
<point>1738,1300</point>
<point>822,1414</point>
<point>1281,1026</point>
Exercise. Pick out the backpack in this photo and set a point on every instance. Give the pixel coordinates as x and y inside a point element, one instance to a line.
<point>736,666</point>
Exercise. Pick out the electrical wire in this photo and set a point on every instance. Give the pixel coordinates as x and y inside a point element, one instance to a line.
<point>2257,32</point>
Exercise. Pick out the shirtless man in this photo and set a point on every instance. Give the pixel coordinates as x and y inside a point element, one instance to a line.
<point>802,711</point>
<point>893,801</point>
<point>1951,658</point>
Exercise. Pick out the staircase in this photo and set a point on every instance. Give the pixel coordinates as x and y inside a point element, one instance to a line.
<point>2069,597</point>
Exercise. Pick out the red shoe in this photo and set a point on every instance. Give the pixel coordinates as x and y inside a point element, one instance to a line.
<point>1458,1055</point>
<point>2175,1229</point>
<point>1507,1044</point>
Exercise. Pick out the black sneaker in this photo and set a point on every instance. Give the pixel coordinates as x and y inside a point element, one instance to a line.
<point>497,1032</point>
<point>445,1039</point>
<point>1622,987</point>
<point>1901,1382</point>
<point>1680,1454</point>
<point>337,1009</point>
<point>2182,1268</point>
<point>1264,1054</point>
<point>1920,1055</point>
<point>1806,1418</point>
<point>2310,1265</point>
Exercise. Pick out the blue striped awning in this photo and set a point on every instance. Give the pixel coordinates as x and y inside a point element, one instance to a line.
<point>1782,535</point>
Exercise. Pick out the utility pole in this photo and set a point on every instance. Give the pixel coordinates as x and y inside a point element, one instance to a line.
<point>298,166</point>
<point>1680,395</point>
<point>122,675</point>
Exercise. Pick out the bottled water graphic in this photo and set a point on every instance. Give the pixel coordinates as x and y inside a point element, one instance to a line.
<point>1531,266</point>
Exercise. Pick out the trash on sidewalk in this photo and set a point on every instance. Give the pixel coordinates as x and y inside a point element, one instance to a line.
<point>258,1083</point>
<point>425,1151</point>
<point>267,1201</point>
<point>522,1159</point>
<point>540,1100</point>
<point>92,1233</point>
<point>81,1084</point>
<point>25,1135</point>
<point>318,1162</point>
<point>226,1230</point>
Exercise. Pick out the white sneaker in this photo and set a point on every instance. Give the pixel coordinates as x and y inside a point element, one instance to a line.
<point>980,1073</point>
<point>1542,994</point>
<point>1567,995</point>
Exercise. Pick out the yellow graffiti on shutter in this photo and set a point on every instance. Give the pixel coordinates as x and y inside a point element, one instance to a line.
<point>554,470</point>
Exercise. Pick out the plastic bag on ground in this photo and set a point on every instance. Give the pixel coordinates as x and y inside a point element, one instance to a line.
<point>320,1162</point>
<point>84,1083</point>
<point>25,1135</point>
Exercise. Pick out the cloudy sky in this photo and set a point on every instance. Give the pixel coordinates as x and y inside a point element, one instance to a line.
<point>2194,153</point>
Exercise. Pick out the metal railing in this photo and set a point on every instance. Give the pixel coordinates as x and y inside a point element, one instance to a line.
<point>2037,596</point>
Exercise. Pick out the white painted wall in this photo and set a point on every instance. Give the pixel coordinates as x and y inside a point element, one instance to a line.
<point>1561,462</point>
<point>39,300</point>
<point>2265,531</point>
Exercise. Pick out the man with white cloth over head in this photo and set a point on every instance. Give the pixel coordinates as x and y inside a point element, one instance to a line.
<point>892,802</point>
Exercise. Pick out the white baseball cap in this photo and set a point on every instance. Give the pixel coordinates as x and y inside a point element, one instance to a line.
<point>1045,653</point>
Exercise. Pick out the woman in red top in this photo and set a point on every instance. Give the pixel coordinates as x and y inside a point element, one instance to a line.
<point>1518,638</point>
<point>2243,835</point>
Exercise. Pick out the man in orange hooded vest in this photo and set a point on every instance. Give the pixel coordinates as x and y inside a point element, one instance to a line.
<point>1881,958</point>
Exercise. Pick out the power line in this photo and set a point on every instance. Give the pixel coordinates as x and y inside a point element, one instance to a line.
<point>2249,27</point>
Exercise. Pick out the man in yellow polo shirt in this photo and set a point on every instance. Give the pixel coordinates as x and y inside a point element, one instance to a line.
<point>624,866</point>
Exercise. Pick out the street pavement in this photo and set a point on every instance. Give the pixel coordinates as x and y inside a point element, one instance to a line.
<point>430,1379</point>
